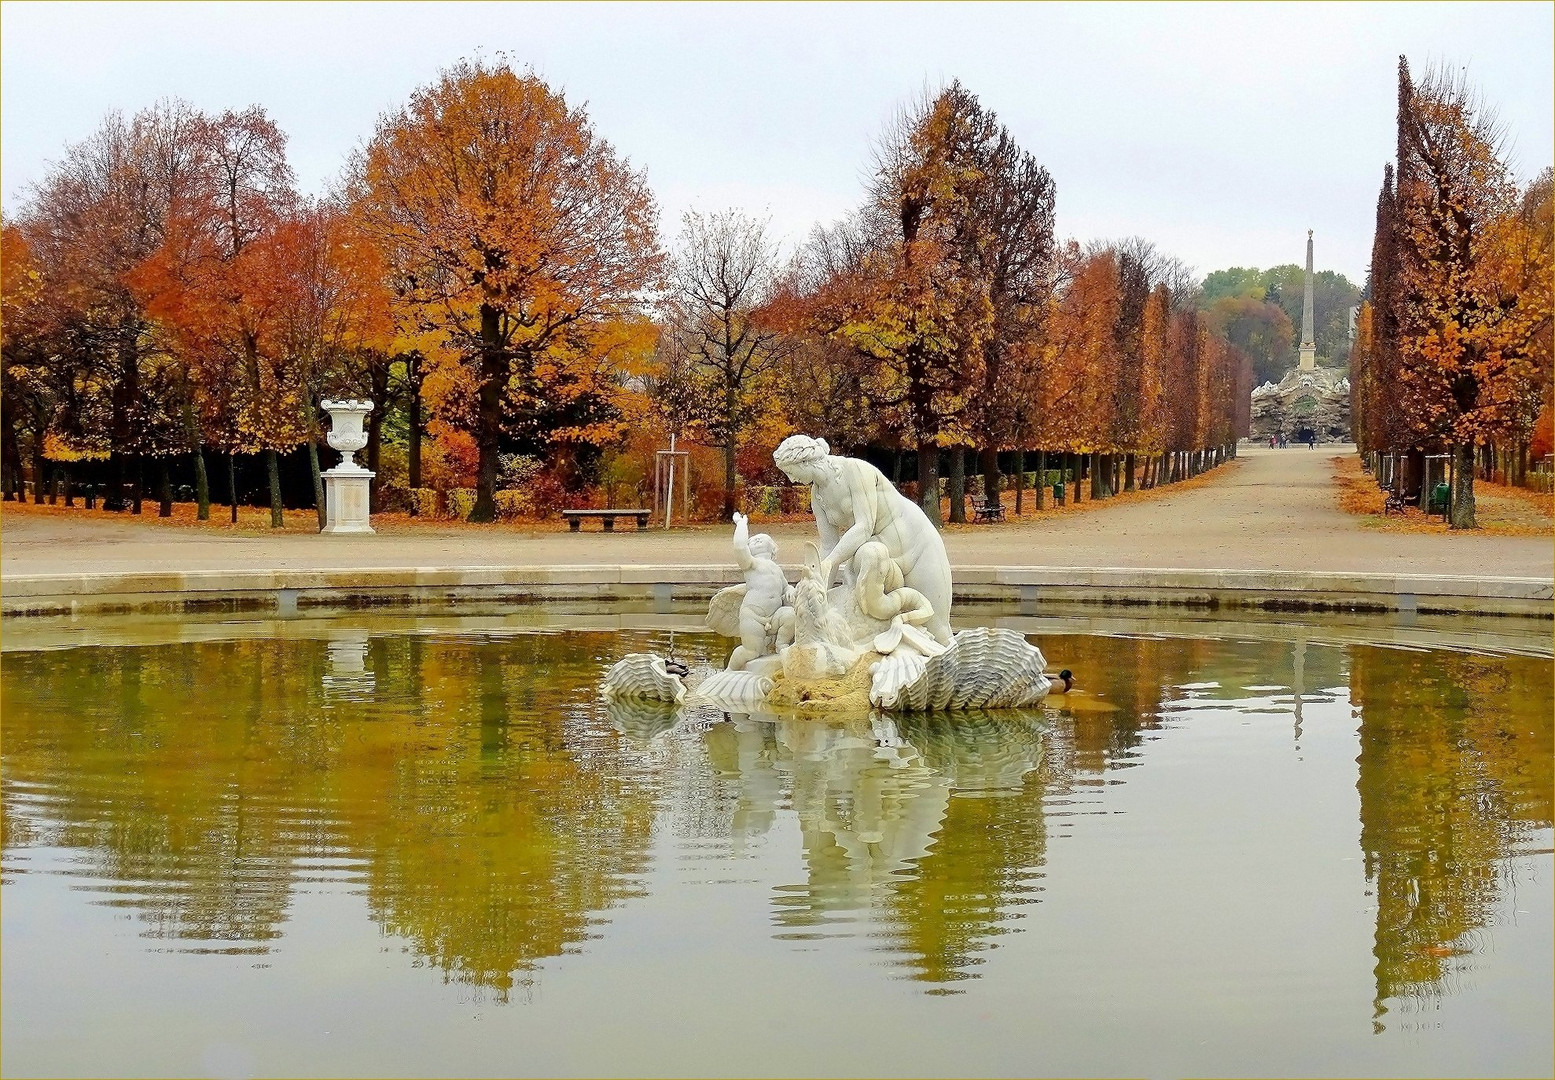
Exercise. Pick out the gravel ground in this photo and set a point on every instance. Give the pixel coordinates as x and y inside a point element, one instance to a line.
<point>1270,509</point>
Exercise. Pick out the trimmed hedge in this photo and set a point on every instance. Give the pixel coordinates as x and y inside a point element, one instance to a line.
<point>460,502</point>
<point>425,502</point>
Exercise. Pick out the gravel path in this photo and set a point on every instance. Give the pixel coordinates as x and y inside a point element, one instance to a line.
<point>1270,509</point>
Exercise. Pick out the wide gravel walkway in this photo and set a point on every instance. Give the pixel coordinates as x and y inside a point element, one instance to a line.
<point>1271,509</point>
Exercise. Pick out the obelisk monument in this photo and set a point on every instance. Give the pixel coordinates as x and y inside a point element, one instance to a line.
<point>1308,361</point>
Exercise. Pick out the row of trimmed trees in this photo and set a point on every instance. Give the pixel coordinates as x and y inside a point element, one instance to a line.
<point>488,270</point>
<point>942,315</point>
<point>1452,353</point>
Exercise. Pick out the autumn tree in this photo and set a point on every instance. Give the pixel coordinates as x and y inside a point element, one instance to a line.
<point>25,401</point>
<point>1009,246</point>
<point>94,219</point>
<point>225,283</point>
<point>724,273</point>
<point>828,386</point>
<point>895,281</point>
<point>1467,369</point>
<point>513,232</point>
<point>1375,415</point>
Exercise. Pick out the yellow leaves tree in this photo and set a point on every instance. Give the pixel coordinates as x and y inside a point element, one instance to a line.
<point>510,226</point>
<point>1473,285</point>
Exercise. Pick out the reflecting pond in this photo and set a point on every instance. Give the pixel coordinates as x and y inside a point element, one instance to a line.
<point>391,846</point>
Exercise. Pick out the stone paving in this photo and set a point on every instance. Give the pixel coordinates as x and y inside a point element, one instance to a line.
<point>1270,510</point>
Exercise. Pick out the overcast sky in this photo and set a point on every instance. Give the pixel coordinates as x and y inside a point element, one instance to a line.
<point>1221,132</point>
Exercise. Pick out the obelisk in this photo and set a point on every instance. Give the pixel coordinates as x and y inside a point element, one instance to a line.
<point>1308,361</point>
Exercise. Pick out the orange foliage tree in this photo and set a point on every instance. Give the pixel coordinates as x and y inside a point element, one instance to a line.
<point>514,233</point>
<point>1473,299</point>
<point>225,283</point>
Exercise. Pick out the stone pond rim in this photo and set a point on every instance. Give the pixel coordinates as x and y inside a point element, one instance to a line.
<point>1027,588</point>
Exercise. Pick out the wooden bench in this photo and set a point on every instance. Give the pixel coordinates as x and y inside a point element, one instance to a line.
<point>607,517</point>
<point>982,510</point>
<point>1393,504</point>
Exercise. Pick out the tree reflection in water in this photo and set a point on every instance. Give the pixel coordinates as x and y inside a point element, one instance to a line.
<point>490,810</point>
<point>1456,775</point>
<point>461,792</point>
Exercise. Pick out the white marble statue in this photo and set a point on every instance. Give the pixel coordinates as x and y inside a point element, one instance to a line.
<point>855,503</point>
<point>748,610</point>
<point>886,626</point>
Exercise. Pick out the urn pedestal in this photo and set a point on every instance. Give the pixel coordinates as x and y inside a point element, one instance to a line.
<point>346,486</point>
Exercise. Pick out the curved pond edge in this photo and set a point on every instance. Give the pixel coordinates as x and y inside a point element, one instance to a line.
<point>1455,633</point>
<point>1029,590</point>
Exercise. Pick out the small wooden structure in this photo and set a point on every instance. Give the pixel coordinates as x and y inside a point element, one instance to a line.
<point>665,463</point>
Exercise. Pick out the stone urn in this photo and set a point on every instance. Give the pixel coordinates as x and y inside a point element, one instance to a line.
<point>346,485</point>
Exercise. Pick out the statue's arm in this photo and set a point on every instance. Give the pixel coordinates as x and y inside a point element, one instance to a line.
<point>742,551</point>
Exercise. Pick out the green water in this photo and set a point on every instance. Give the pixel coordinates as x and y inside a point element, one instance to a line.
<point>383,847</point>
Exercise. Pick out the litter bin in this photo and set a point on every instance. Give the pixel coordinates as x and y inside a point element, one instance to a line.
<point>1058,492</point>
<point>1440,495</point>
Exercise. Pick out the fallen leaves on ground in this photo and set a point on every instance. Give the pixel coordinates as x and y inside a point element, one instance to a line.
<point>1501,510</point>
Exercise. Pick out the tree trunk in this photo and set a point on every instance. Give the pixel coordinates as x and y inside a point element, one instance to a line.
<point>202,486</point>
<point>1093,461</point>
<point>729,481</point>
<point>38,482</point>
<point>10,455</point>
<point>1020,481</point>
<point>896,467</point>
<point>126,391</point>
<point>928,481</point>
<point>232,483</point>
<point>318,483</point>
<point>413,451</point>
<point>70,491</point>
<point>164,489</point>
<point>138,487</point>
<point>1041,472</point>
<point>273,468</point>
<point>958,485</point>
<point>494,372</point>
<point>1462,514</point>
<point>988,463</point>
<point>374,449</point>
<point>54,487</point>
<point>1128,472</point>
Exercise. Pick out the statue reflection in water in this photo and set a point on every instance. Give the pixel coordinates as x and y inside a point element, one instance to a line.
<point>928,827</point>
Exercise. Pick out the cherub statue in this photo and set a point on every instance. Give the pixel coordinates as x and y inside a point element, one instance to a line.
<point>749,611</point>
